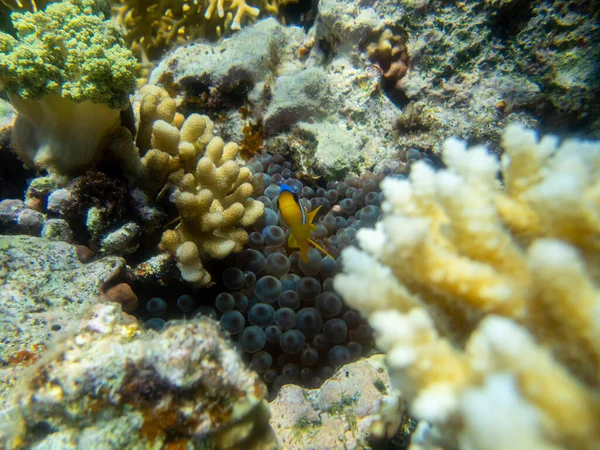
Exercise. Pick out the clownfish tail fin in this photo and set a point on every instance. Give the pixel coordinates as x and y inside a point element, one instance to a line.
<point>320,248</point>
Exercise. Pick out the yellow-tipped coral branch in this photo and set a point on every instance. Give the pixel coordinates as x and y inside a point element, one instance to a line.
<point>483,292</point>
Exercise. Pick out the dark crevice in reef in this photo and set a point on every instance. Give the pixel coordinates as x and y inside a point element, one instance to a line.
<point>201,98</point>
<point>14,177</point>
<point>508,21</point>
<point>302,13</point>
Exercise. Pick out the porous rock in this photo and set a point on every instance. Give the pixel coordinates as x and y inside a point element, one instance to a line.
<point>298,97</point>
<point>112,384</point>
<point>43,288</point>
<point>229,66</point>
<point>351,410</point>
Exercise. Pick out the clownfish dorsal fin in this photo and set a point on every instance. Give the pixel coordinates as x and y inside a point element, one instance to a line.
<point>311,215</point>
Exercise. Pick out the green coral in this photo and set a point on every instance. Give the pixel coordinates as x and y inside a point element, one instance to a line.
<point>70,49</point>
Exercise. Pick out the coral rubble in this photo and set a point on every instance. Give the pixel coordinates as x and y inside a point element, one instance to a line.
<point>485,294</point>
<point>113,384</point>
<point>44,285</point>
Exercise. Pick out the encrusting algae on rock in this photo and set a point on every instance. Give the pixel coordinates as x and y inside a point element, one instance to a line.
<point>485,296</point>
<point>112,384</point>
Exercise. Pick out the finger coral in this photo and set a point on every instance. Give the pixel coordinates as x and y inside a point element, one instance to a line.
<point>209,188</point>
<point>484,293</point>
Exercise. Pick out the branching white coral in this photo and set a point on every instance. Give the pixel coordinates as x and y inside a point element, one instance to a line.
<point>484,293</point>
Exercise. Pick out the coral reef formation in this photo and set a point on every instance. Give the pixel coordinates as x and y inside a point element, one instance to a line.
<point>209,188</point>
<point>485,295</point>
<point>378,78</point>
<point>329,117</point>
<point>112,384</point>
<point>480,65</point>
<point>283,312</point>
<point>68,74</point>
<point>479,277</point>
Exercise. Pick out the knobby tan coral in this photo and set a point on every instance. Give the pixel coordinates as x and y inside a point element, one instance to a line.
<point>485,295</point>
<point>390,54</point>
<point>210,189</point>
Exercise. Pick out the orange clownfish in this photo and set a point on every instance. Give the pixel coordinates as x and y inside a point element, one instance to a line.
<point>298,221</point>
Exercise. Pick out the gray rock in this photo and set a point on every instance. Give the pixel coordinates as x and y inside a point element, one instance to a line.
<point>57,230</point>
<point>121,241</point>
<point>116,385</point>
<point>10,209</point>
<point>16,217</point>
<point>30,222</point>
<point>43,289</point>
<point>296,98</point>
<point>351,410</point>
<point>232,65</point>
<point>58,199</point>
<point>337,148</point>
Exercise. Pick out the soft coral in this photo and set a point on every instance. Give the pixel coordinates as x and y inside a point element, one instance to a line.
<point>69,75</point>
